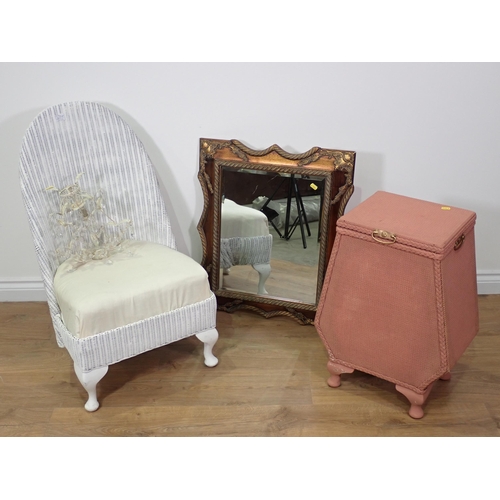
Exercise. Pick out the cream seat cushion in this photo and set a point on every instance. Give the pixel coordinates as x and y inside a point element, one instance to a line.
<point>240,221</point>
<point>143,280</point>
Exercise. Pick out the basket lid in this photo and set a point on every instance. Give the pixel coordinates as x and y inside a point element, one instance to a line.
<point>419,223</point>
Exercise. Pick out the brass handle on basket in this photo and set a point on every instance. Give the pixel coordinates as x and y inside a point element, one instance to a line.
<point>459,242</point>
<point>383,237</point>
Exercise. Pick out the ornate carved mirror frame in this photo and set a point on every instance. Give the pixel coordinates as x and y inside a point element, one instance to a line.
<point>334,167</point>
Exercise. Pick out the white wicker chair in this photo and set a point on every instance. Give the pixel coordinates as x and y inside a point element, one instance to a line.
<point>85,137</point>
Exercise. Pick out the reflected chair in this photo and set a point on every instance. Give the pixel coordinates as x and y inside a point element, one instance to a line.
<point>245,240</point>
<point>112,293</point>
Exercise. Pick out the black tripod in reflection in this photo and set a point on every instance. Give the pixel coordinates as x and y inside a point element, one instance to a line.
<point>300,219</point>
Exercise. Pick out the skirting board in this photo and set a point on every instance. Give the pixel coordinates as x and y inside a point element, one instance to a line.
<point>22,290</point>
<point>488,283</point>
<point>31,290</point>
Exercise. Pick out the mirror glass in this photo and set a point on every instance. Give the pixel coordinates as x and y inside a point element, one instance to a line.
<point>277,210</point>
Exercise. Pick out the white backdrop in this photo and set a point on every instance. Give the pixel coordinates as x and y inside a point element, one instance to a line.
<point>427,130</point>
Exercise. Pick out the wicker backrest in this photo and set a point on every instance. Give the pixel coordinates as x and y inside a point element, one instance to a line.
<point>68,139</point>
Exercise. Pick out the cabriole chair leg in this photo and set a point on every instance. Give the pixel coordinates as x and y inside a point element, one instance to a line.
<point>89,380</point>
<point>209,338</point>
<point>264,271</point>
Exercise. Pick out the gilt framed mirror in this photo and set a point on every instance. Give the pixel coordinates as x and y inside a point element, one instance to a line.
<point>269,222</point>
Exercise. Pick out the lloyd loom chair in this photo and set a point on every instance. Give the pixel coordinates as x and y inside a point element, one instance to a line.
<point>115,284</point>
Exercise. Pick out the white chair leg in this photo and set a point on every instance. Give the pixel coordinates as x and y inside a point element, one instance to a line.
<point>264,271</point>
<point>209,338</point>
<point>89,380</point>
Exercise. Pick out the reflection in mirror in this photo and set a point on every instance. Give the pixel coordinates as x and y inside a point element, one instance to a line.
<point>269,223</point>
<point>270,233</point>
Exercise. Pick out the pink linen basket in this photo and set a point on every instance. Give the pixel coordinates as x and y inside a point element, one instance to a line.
<point>399,299</point>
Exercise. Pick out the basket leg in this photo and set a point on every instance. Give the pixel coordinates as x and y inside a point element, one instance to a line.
<point>445,376</point>
<point>416,400</point>
<point>335,371</point>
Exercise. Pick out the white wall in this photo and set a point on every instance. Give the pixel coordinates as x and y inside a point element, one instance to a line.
<point>427,130</point>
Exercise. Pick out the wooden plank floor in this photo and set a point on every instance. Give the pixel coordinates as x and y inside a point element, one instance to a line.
<point>270,381</point>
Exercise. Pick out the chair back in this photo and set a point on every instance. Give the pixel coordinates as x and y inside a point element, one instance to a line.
<point>85,137</point>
